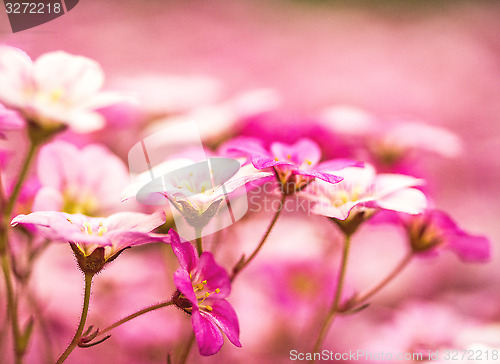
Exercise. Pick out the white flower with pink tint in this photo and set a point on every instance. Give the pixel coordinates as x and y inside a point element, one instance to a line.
<point>362,189</point>
<point>57,90</point>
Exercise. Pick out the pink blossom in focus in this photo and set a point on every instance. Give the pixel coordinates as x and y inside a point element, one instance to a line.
<point>295,165</point>
<point>202,287</point>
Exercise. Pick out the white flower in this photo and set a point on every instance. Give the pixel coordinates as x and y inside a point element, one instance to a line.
<point>56,90</point>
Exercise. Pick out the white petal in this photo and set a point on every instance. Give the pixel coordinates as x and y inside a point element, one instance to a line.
<point>410,201</point>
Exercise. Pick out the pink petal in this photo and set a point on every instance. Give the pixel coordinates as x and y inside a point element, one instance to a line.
<point>135,221</point>
<point>214,274</point>
<point>224,315</point>
<point>300,152</point>
<point>59,165</point>
<point>208,336</point>
<point>470,248</point>
<point>183,282</point>
<point>184,251</point>
<point>48,199</point>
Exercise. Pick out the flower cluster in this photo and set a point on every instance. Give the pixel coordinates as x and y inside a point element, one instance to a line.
<point>66,192</point>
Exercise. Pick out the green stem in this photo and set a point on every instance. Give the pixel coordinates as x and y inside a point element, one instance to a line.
<point>338,294</point>
<point>81,325</point>
<point>133,316</point>
<point>187,350</point>
<point>242,263</point>
<point>395,272</point>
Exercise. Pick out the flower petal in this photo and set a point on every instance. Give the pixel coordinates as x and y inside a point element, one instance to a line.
<point>410,201</point>
<point>208,335</point>
<point>214,274</point>
<point>135,221</point>
<point>224,315</point>
<point>470,248</point>
<point>298,153</point>
<point>184,251</point>
<point>182,281</point>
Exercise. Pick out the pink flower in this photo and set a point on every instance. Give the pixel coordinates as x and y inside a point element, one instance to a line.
<point>87,181</point>
<point>434,230</point>
<point>295,165</point>
<point>55,91</point>
<point>95,240</point>
<point>362,189</point>
<point>202,286</point>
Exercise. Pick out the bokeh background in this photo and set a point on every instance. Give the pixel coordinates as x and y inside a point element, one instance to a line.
<point>438,61</point>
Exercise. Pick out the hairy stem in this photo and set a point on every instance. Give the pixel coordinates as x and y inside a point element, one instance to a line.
<point>133,316</point>
<point>81,325</point>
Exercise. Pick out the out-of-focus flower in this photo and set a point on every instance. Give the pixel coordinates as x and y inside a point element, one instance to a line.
<point>57,90</point>
<point>96,240</point>
<point>9,120</point>
<point>216,121</point>
<point>390,142</point>
<point>87,181</point>
<point>362,189</point>
<point>295,165</point>
<point>202,286</point>
<point>420,329</point>
<point>435,230</point>
<point>161,94</point>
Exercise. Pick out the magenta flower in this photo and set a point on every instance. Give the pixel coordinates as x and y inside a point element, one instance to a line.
<point>202,286</point>
<point>295,165</point>
<point>96,240</point>
<point>435,230</point>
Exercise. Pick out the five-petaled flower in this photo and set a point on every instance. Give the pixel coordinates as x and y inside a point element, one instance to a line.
<point>57,90</point>
<point>295,165</point>
<point>363,189</point>
<point>96,240</point>
<point>202,286</point>
<point>362,193</point>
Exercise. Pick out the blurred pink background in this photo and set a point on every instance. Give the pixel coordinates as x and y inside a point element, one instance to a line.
<point>439,62</point>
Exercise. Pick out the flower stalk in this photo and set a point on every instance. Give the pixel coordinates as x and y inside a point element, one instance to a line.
<point>336,301</point>
<point>122,321</point>
<point>83,319</point>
